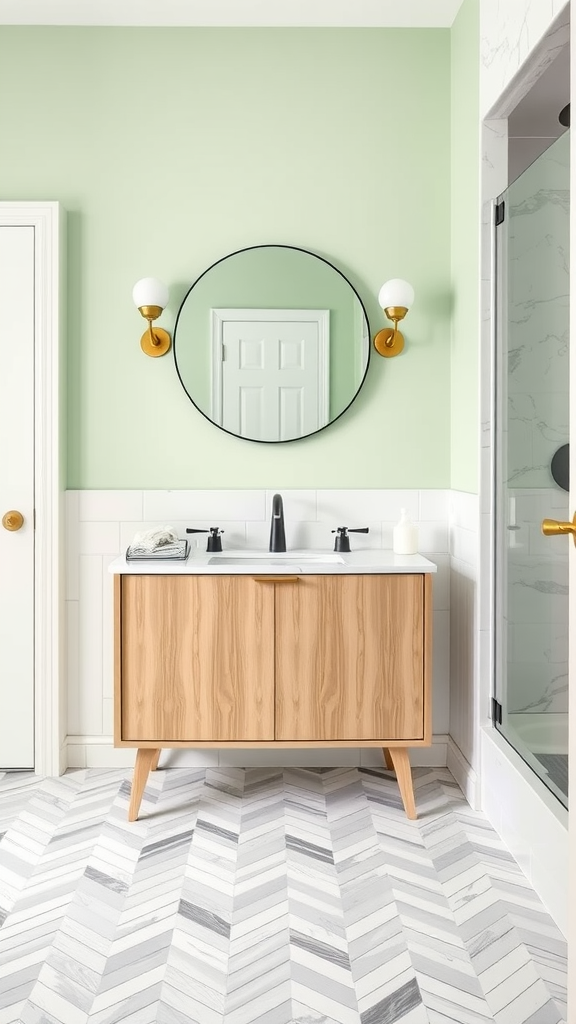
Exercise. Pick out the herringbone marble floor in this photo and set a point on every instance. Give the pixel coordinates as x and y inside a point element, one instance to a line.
<point>265,896</point>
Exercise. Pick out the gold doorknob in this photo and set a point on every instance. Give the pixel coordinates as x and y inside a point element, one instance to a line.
<point>553,527</point>
<point>12,520</point>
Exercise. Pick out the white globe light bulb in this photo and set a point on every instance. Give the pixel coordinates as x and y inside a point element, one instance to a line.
<point>396,293</point>
<point>150,292</point>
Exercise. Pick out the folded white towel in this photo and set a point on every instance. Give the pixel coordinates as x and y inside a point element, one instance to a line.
<point>164,537</point>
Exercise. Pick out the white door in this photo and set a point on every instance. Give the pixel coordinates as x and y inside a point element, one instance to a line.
<point>17,496</point>
<point>270,372</point>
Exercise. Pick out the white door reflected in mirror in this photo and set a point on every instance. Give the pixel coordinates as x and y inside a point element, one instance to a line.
<point>270,371</point>
<point>266,283</point>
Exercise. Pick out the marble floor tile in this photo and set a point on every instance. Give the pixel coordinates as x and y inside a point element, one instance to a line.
<point>265,896</point>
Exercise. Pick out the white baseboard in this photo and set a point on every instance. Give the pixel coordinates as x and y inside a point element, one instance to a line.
<point>99,752</point>
<point>63,757</point>
<point>434,756</point>
<point>464,774</point>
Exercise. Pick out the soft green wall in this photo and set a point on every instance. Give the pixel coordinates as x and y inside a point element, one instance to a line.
<point>170,148</point>
<point>465,242</point>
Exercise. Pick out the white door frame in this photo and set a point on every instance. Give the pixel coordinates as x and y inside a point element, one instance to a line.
<point>321,317</point>
<point>47,219</point>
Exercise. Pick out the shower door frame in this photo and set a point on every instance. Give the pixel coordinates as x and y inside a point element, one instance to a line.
<point>500,349</point>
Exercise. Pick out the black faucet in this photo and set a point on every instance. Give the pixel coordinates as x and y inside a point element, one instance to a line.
<point>277,535</point>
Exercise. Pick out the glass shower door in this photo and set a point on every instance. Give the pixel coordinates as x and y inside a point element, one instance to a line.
<point>532,421</point>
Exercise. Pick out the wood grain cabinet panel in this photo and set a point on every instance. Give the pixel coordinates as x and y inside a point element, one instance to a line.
<point>350,658</point>
<point>196,659</point>
<point>265,661</point>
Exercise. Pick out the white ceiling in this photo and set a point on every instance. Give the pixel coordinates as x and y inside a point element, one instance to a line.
<point>306,13</point>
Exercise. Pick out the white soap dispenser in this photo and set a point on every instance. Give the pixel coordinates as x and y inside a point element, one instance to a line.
<point>405,535</point>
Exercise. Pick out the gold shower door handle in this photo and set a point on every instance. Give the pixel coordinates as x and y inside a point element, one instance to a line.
<point>554,527</point>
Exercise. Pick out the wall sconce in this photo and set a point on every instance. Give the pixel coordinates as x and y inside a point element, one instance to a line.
<point>395,297</point>
<point>151,297</point>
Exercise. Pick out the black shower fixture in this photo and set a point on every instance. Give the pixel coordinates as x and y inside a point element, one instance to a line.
<point>564,116</point>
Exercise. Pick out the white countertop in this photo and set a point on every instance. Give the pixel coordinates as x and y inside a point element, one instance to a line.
<point>263,562</point>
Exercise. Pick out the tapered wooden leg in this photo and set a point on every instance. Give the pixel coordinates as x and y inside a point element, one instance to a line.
<point>401,764</point>
<point>144,761</point>
<point>155,760</point>
<point>387,759</point>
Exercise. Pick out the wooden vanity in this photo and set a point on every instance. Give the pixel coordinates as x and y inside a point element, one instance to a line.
<point>304,659</point>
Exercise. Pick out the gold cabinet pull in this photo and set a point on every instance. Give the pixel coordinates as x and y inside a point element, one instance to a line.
<point>554,527</point>
<point>12,520</point>
<point>275,579</point>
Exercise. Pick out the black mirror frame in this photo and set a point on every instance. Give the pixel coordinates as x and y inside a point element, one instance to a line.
<point>275,245</point>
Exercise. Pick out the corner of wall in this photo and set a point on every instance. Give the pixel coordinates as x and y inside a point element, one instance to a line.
<point>465,243</point>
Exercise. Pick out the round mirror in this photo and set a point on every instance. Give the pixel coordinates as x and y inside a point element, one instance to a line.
<point>272,343</point>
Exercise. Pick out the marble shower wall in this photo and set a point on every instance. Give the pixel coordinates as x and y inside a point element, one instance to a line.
<point>537,611</point>
<point>510,35</point>
<point>537,269</point>
<point>535,392</point>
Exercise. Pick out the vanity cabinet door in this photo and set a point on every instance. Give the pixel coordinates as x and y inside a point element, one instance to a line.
<point>350,658</point>
<point>197,658</point>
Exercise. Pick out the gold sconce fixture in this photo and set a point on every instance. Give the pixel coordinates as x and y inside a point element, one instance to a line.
<point>396,298</point>
<point>151,297</point>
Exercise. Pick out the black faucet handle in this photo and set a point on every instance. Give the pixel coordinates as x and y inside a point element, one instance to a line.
<point>214,540</point>
<point>343,530</point>
<point>342,542</point>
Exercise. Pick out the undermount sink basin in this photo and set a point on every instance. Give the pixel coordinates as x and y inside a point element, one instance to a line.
<point>263,558</point>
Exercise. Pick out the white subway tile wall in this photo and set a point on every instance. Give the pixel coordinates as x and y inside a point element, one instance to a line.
<point>101,524</point>
<point>464,694</point>
<point>209,505</point>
